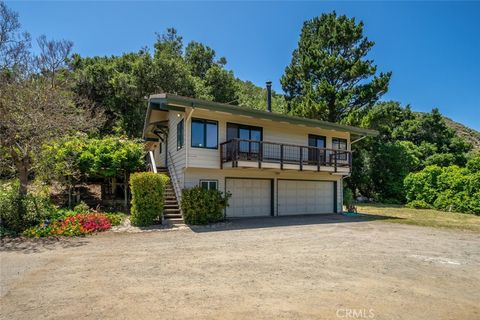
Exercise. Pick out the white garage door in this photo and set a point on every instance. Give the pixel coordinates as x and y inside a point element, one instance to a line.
<point>250,197</point>
<point>305,197</point>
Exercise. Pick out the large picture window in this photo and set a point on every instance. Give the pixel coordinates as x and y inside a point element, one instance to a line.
<point>340,144</point>
<point>204,134</point>
<point>180,135</point>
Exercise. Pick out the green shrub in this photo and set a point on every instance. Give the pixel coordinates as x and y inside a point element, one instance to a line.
<point>147,197</point>
<point>418,204</point>
<point>347,197</point>
<point>115,218</point>
<point>201,206</point>
<point>81,207</point>
<point>449,188</point>
<point>16,213</point>
<point>423,185</point>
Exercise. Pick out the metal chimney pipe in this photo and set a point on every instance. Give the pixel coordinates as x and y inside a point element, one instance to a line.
<point>269,96</point>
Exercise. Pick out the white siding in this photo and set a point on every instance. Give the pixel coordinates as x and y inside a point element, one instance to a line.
<point>176,158</point>
<point>272,132</point>
<point>194,175</point>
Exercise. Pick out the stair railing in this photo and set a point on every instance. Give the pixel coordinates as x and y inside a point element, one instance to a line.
<point>152,164</point>
<point>174,178</point>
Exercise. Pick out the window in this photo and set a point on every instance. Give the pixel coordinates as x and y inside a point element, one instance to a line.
<point>209,184</point>
<point>340,144</point>
<point>180,135</point>
<point>316,156</point>
<point>204,134</point>
<point>248,149</point>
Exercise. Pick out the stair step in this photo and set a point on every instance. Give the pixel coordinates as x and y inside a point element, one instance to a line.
<point>172,215</point>
<point>174,221</point>
<point>171,206</point>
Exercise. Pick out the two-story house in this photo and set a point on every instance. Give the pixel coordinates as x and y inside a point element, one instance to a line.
<point>272,164</point>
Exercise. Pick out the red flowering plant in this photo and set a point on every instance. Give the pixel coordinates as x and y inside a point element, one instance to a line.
<point>72,225</point>
<point>81,224</point>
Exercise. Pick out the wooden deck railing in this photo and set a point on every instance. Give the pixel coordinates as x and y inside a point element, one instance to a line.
<point>262,151</point>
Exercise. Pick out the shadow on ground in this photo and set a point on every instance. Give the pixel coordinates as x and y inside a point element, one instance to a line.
<point>35,245</point>
<point>300,220</point>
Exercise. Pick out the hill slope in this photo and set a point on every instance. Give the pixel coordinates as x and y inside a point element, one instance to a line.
<point>471,135</point>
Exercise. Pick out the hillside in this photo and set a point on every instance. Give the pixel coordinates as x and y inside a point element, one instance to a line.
<point>467,133</point>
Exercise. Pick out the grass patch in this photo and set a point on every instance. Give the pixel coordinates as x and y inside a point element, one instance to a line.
<point>421,217</point>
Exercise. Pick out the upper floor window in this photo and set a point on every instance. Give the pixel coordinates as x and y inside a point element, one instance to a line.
<point>180,135</point>
<point>340,144</point>
<point>204,133</point>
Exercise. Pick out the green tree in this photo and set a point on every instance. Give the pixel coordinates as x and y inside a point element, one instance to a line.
<point>254,97</point>
<point>200,58</point>
<point>221,85</point>
<point>329,77</point>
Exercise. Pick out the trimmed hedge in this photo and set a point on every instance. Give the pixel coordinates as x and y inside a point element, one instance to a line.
<point>147,197</point>
<point>202,206</point>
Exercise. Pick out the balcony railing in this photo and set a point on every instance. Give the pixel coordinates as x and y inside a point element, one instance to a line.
<point>236,150</point>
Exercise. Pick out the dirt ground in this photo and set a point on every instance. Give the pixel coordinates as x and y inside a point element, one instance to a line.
<point>283,268</point>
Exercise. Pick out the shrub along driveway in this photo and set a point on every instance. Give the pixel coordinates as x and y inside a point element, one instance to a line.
<point>302,267</point>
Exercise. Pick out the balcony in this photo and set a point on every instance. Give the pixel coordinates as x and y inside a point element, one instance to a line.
<point>238,153</point>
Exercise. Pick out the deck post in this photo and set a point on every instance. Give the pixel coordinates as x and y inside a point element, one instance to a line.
<point>281,156</point>
<point>301,158</point>
<point>318,159</point>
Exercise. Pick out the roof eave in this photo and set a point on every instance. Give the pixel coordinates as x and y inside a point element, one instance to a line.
<point>169,101</point>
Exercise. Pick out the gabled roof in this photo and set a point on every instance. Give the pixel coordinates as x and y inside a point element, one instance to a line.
<point>166,102</point>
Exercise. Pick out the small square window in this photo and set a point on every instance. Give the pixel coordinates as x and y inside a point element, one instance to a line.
<point>209,184</point>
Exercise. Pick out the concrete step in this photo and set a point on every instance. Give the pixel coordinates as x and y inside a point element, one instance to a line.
<point>174,221</point>
<point>172,215</point>
<point>171,206</point>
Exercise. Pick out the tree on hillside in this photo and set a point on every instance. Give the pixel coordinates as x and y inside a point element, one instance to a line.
<point>330,77</point>
<point>14,44</point>
<point>53,56</point>
<point>255,97</point>
<point>221,85</point>
<point>408,142</point>
<point>33,112</point>
<point>200,58</point>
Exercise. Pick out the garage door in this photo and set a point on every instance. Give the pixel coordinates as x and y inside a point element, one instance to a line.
<point>250,197</point>
<point>305,197</point>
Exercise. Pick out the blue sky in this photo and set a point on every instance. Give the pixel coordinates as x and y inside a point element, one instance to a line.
<point>433,48</point>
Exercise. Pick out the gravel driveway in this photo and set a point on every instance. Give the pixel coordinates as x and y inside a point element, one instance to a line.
<point>289,268</point>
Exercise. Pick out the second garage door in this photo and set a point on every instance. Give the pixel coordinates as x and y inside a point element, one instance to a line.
<point>305,197</point>
<point>250,197</point>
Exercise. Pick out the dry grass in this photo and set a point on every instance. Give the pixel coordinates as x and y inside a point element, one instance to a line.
<point>430,218</point>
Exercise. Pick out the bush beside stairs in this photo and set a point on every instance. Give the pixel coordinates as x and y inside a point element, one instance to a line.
<point>171,213</point>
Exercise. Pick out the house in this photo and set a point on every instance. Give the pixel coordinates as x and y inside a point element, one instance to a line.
<point>272,164</point>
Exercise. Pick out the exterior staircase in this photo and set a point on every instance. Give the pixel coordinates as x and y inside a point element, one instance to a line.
<point>171,213</point>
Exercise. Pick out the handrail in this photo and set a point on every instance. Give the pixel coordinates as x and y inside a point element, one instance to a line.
<point>173,176</point>
<point>285,144</point>
<point>152,161</point>
<point>264,151</point>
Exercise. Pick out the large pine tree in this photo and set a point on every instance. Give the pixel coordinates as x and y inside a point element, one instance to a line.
<point>330,77</point>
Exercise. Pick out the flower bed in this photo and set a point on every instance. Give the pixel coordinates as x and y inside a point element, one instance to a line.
<point>74,224</point>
